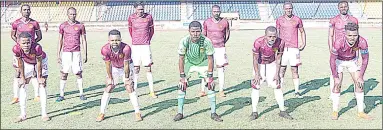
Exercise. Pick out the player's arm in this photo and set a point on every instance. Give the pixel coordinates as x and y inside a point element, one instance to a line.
<point>39,35</point>
<point>227,36</point>
<point>130,26</point>
<point>209,52</point>
<point>256,53</point>
<point>13,32</point>
<point>204,30</point>
<point>17,53</point>
<point>151,28</point>
<point>333,57</point>
<point>365,56</point>
<point>303,37</point>
<point>108,67</point>
<point>84,43</point>
<point>127,58</point>
<point>278,57</point>
<point>278,26</point>
<point>39,67</point>
<point>61,42</point>
<point>330,35</point>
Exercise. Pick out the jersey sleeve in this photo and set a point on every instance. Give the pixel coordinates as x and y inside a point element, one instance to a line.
<point>127,53</point>
<point>363,46</point>
<point>14,26</point>
<point>151,23</point>
<point>16,51</point>
<point>182,46</point>
<point>332,23</point>
<point>105,54</point>
<point>61,29</point>
<point>39,50</point>
<point>300,23</point>
<point>256,47</point>
<point>83,32</point>
<point>36,26</point>
<point>281,46</point>
<point>209,47</point>
<point>129,21</point>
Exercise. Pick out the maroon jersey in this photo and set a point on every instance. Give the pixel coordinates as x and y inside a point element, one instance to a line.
<point>141,29</point>
<point>30,26</point>
<point>71,34</point>
<point>216,31</point>
<point>288,30</point>
<point>339,25</point>
<point>117,58</point>
<point>35,51</point>
<point>267,53</point>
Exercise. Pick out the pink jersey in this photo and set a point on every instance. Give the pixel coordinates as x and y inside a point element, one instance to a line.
<point>36,50</point>
<point>345,52</point>
<point>141,29</point>
<point>30,26</point>
<point>339,25</point>
<point>288,30</point>
<point>71,34</point>
<point>117,59</point>
<point>216,31</point>
<point>266,52</point>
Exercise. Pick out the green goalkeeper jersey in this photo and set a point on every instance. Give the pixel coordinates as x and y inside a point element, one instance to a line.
<point>196,53</point>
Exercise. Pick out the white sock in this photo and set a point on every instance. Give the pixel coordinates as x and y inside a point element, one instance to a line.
<point>149,76</point>
<point>23,100</point>
<point>43,101</point>
<point>335,101</point>
<point>360,101</point>
<point>296,85</point>
<point>134,100</point>
<point>203,83</point>
<point>16,87</point>
<point>35,85</point>
<point>221,78</point>
<point>104,101</point>
<point>135,79</point>
<point>62,86</point>
<point>79,85</point>
<point>254,99</point>
<point>331,84</point>
<point>279,97</point>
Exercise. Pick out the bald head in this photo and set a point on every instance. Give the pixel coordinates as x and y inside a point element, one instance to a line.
<point>270,29</point>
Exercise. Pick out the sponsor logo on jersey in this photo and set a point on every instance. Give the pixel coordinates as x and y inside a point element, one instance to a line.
<point>30,25</point>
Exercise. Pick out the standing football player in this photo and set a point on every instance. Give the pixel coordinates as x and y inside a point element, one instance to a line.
<point>288,26</point>
<point>31,58</point>
<point>25,24</point>
<point>196,55</point>
<point>69,52</point>
<point>141,29</point>
<point>217,29</point>
<point>267,54</point>
<point>344,54</point>
<point>117,57</point>
<point>336,28</point>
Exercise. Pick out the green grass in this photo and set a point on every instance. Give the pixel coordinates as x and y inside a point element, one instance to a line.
<point>313,111</point>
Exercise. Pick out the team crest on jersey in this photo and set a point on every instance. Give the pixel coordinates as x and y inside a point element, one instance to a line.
<point>275,49</point>
<point>220,26</point>
<point>145,19</point>
<point>201,49</point>
<point>355,48</point>
<point>30,25</point>
<point>121,55</point>
<point>32,55</point>
<point>76,28</point>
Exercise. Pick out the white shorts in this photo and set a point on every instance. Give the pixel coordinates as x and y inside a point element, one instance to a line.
<point>291,56</point>
<point>351,66</point>
<point>201,70</point>
<point>267,72</point>
<point>220,57</point>
<point>30,70</point>
<point>141,54</point>
<point>118,73</point>
<point>71,60</point>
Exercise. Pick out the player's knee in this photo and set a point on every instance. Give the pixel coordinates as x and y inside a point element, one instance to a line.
<point>79,74</point>
<point>109,88</point>
<point>136,69</point>
<point>64,76</point>
<point>17,73</point>
<point>129,85</point>
<point>282,71</point>
<point>359,89</point>
<point>149,69</point>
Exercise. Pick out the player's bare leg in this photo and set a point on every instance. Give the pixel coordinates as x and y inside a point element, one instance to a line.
<point>129,86</point>
<point>35,84</point>
<point>79,85</point>
<point>295,74</point>
<point>335,96</point>
<point>221,80</point>
<point>23,101</point>
<point>16,87</point>
<point>64,77</point>
<point>203,86</point>
<point>282,72</point>
<point>149,76</point>
<point>43,99</point>
<point>105,100</point>
<point>359,96</point>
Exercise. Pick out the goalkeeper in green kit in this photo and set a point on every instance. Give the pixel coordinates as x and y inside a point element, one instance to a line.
<point>196,55</point>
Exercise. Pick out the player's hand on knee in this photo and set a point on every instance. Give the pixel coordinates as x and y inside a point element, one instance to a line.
<point>360,83</point>
<point>337,85</point>
<point>210,81</point>
<point>129,85</point>
<point>109,81</point>
<point>277,79</point>
<point>41,81</point>
<point>22,82</point>
<point>257,79</point>
<point>183,84</point>
<point>59,60</point>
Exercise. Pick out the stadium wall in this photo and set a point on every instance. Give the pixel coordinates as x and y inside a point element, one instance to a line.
<point>183,25</point>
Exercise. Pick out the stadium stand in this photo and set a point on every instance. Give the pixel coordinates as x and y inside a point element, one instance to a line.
<point>247,9</point>
<point>373,10</point>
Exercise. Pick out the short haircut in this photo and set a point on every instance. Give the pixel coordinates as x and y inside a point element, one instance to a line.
<point>342,1</point>
<point>21,8</point>
<point>351,26</point>
<point>287,3</point>
<point>270,29</point>
<point>138,3</point>
<point>195,24</point>
<point>25,35</point>
<point>114,32</point>
<point>216,6</point>
<point>71,8</point>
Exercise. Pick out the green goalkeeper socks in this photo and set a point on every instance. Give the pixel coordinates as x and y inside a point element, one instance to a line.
<point>211,96</point>
<point>181,99</point>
